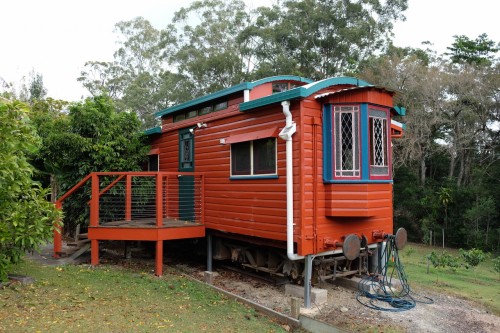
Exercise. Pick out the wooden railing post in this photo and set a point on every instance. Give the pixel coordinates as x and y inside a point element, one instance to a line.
<point>94,202</point>
<point>159,199</point>
<point>57,234</point>
<point>128,199</point>
<point>202,196</point>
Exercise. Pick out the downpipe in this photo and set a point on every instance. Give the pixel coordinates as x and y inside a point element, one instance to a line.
<point>286,134</point>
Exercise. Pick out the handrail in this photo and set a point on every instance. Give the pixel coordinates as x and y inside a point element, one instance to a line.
<point>59,201</point>
<point>107,188</point>
<point>58,204</point>
<point>96,194</point>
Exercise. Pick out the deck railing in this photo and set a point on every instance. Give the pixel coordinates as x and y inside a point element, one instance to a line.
<point>140,198</point>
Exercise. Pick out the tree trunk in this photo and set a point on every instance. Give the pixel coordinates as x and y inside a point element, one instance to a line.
<point>451,170</point>
<point>53,187</point>
<point>423,169</point>
<point>461,170</point>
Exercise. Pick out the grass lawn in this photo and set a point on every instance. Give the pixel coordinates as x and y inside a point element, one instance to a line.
<point>114,299</point>
<point>480,284</point>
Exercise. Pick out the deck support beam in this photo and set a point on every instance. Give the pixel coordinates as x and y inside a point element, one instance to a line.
<point>94,252</point>
<point>159,258</point>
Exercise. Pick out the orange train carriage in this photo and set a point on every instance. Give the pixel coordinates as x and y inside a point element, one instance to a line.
<point>288,163</point>
<point>277,174</point>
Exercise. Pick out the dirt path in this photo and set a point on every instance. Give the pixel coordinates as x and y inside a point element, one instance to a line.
<point>446,314</point>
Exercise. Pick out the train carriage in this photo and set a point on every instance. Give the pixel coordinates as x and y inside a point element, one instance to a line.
<point>288,163</point>
<point>280,174</point>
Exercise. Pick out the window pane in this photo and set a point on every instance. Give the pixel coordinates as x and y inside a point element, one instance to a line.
<point>179,117</point>
<point>240,158</point>
<point>220,106</point>
<point>279,87</point>
<point>205,110</point>
<point>153,162</point>
<point>264,156</point>
<point>378,155</point>
<point>346,141</point>
<point>347,144</point>
<point>192,114</point>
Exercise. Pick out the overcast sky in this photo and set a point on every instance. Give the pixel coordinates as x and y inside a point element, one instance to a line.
<point>57,37</point>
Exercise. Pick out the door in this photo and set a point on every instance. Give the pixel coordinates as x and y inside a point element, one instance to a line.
<point>186,183</point>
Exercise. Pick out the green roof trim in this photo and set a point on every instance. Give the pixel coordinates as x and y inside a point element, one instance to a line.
<point>280,78</point>
<point>228,91</point>
<point>203,99</point>
<point>301,92</point>
<point>400,110</point>
<point>151,131</point>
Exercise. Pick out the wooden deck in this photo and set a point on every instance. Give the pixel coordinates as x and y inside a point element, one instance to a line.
<point>149,223</point>
<point>143,230</point>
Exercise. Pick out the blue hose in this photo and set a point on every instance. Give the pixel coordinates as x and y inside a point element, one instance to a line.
<point>383,291</point>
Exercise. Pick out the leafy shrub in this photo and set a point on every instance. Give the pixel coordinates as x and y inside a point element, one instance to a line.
<point>473,257</point>
<point>26,217</point>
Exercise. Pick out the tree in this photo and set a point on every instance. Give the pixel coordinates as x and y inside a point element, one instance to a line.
<point>34,89</point>
<point>480,51</point>
<point>27,218</point>
<point>136,79</point>
<point>210,52</point>
<point>92,137</point>
<point>320,38</point>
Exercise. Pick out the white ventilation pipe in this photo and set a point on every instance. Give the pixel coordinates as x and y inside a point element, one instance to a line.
<point>286,134</point>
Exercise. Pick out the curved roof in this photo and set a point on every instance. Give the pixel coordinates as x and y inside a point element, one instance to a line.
<point>303,91</point>
<point>229,91</point>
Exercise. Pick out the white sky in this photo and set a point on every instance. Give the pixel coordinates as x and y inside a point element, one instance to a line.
<point>57,37</point>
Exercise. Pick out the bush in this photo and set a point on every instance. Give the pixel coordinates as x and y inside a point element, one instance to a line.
<point>27,218</point>
<point>473,257</point>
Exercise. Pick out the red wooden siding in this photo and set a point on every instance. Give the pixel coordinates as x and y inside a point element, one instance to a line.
<point>323,213</point>
<point>253,207</point>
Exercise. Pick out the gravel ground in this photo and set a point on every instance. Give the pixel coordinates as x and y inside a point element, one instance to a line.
<point>446,314</point>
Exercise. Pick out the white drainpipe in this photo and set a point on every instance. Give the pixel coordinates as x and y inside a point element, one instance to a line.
<point>286,134</point>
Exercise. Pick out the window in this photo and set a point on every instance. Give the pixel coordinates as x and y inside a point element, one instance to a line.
<point>279,87</point>
<point>346,136</point>
<point>205,110</point>
<point>379,164</point>
<point>179,117</point>
<point>153,162</point>
<point>256,157</point>
<point>220,106</point>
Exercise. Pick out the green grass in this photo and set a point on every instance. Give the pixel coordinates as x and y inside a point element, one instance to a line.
<point>114,299</point>
<point>481,284</point>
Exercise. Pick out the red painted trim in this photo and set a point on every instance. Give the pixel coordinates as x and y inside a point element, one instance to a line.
<point>106,189</point>
<point>159,258</point>
<point>128,199</point>
<point>94,203</point>
<point>267,133</point>
<point>159,200</point>
<point>94,252</point>
<point>388,176</point>
<point>154,151</point>
<point>334,147</point>
<point>73,189</point>
<point>145,234</point>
